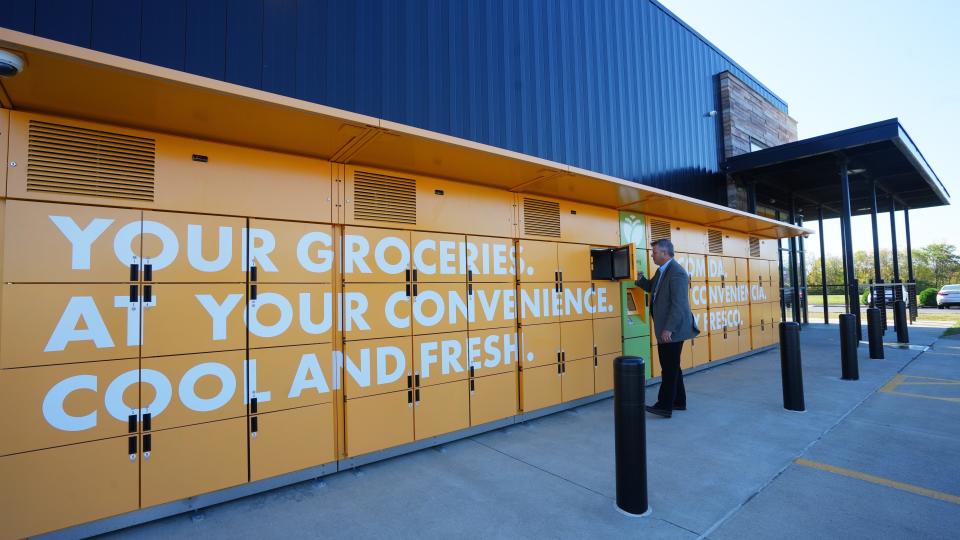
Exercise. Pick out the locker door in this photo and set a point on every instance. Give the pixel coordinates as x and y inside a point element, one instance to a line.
<point>439,307</point>
<point>60,405</point>
<point>377,367</point>
<point>440,409</point>
<point>716,295</point>
<point>493,351</point>
<point>758,270</point>
<point>494,305</point>
<point>606,336</point>
<point>77,243</point>
<point>67,323</point>
<point>759,336</point>
<point>775,313</point>
<point>287,377</point>
<point>189,318</point>
<point>573,262</point>
<point>740,266</point>
<point>698,295</point>
<point>577,301</point>
<point>700,350</point>
<point>51,489</point>
<point>440,258</point>
<point>288,314</point>
<point>192,248</point>
<point>577,379</point>
<point>772,292</point>
<point>291,440</point>
<point>540,345</point>
<point>378,422</point>
<point>757,293</point>
<point>695,265</point>
<point>440,358</point>
<point>192,460</point>
<point>539,387</point>
<point>743,294</point>
<point>603,372</point>
<point>204,387</point>
<point>686,356</point>
<point>539,303</point>
<point>702,320</point>
<point>606,295</point>
<point>719,269</point>
<point>743,339</point>
<point>376,310</point>
<point>538,261</point>
<point>576,340</point>
<point>485,260</point>
<point>376,255</point>
<point>738,316</point>
<point>291,252</point>
<point>492,397</point>
<point>774,272</point>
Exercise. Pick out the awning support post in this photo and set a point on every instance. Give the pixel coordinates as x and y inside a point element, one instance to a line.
<point>912,288</point>
<point>823,268</point>
<point>794,271</point>
<point>853,297</point>
<point>878,292</point>
<point>897,291</point>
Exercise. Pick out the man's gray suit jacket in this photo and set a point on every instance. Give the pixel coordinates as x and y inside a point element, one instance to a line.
<point>670,308</point>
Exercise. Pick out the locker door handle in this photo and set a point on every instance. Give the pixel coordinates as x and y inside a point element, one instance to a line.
<point>253,273</point>
<point>563,356</point>
<point>595,361</point>
<point>148,293</point>
<point>469,275</point>
<point>414,289</point>
<point>471,371</point>
<point>147,421</point>
<point>594,350</point>
<point>408,274</point>
<point>559,368</point>
<point>556,275</point>
<point>470,289</point>
<point>253,292</point>
<point>254,425</point>
<point>408,290</point>
<point>409,398</point>
<point>415,274</point>
<point>561,277</point>
<point>416,379</point>
<point>417,391</point>
<point>132,423</point>
<point>253,405</point>
<point>472,387</point>
<point>148,272</point>
<point>134,297</point>
<point>147,446</point>
<point>134,272</point>
<point>132,447</point>
<point>558,357</point>
<point>409,381</point>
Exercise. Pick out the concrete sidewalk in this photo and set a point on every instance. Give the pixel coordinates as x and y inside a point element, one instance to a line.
<point>874,458</point>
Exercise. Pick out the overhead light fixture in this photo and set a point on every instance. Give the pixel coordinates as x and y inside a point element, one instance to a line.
<point>856,171</point>
<point>10,63</point>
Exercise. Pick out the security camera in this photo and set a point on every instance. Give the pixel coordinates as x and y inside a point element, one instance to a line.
<point>10,64</point>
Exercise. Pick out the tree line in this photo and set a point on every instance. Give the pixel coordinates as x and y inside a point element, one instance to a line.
<point>934,265</point>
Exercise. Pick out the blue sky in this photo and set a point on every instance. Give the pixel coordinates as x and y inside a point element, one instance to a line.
<point>844,63</point>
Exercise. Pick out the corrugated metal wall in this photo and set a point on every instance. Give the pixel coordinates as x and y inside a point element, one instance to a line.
<point>615,86</point>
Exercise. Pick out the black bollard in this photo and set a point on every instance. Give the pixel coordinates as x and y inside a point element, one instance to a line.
<point>900,321</point>
<point>849,366</point>
<point>630,434</point>
<point>790,371</point>
<point>875,333</point>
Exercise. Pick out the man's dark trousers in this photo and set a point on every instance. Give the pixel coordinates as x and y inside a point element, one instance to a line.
<point>672,394</point>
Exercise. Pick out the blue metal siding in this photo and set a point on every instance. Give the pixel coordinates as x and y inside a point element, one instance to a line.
<point>621,87</point>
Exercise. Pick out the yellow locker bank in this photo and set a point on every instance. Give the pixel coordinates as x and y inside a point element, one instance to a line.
<point>192,311</point>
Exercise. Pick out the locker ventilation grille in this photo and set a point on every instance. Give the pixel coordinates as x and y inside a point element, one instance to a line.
<point>715,241</point>
<point>541,218</point>
<point>378,197</point>
<point>78,161</point>
<point>754,247</point>
<point>659,230</point>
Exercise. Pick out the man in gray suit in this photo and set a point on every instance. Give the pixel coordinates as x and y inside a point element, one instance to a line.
<point>673,323</point>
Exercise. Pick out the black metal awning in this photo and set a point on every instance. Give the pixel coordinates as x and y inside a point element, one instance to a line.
<point>809,171</point>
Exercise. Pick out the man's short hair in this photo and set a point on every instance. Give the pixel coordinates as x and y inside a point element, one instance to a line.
<point>664,245</point>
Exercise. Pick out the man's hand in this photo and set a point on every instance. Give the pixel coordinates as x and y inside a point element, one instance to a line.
<point>640,275</point>
<point>666,336</point>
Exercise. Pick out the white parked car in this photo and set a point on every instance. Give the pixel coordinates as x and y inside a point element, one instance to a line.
<point>949,295</point>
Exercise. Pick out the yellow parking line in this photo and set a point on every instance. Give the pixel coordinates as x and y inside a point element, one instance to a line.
<point>910,488</point>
